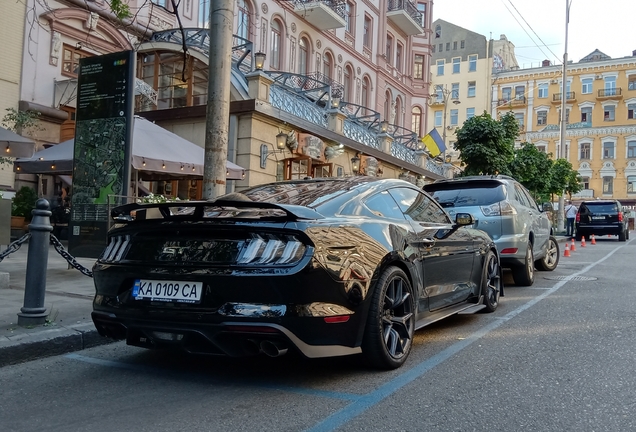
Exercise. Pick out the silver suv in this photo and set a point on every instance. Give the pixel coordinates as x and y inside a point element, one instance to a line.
<point>505,210</point>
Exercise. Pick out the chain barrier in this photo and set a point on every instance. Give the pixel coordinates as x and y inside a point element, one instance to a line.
<point>13,247</point>
<point>68,257</point>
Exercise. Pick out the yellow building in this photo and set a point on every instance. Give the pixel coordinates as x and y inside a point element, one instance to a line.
<point>600,115</point>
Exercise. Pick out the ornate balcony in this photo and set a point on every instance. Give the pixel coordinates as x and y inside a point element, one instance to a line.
<point>569,96</point>
<point>324,14</point>
<point>610,93</point>
<point>404,15</point>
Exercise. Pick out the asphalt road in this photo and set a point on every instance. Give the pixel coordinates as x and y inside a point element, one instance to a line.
<point>557,356</point>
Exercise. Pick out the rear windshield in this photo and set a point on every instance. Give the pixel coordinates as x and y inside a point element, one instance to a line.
<point>602,208</point>
<point>466,194</point>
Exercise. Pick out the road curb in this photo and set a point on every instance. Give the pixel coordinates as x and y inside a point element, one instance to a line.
<point>50,342</point>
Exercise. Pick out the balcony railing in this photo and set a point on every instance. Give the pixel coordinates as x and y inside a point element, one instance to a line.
<point>568,96</point>
<point>324,14</point>
<point>337,89</point>
<point>361,114</point>
<point>404,14</point>
<point>312,89</point>
<point>610,92</point>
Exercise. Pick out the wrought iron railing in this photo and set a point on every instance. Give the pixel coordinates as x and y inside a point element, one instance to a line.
<point>338,6</point>
<point>408,7</point>
<point>297,104</point>
<point>360,133</point>
<point>568,96</point>
<point>404,153</point>
<point>312,89</point>
<point>337,89</point>
<point>404,136</point>
<point>609,92</point>
<point>361,114</point>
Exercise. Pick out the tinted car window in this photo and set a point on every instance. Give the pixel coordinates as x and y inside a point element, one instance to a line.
<point>417,206</point>
<point>601,208</point>
<point>466,194</point>
<point>383,205</point>
<point>521,196</point>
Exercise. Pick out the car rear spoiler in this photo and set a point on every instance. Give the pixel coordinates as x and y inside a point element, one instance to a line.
<point>195,210</point>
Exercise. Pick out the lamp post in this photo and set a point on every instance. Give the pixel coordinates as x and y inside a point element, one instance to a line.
<point>562,154</point>
<point>443,94</point>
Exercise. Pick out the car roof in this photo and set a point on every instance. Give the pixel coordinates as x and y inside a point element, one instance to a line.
<point>475,178</point>
<point>601,201</point>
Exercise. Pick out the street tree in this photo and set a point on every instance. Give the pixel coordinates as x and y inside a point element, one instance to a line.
<point>486,145</point>
<point>533,169</point>
<point>564,178</point>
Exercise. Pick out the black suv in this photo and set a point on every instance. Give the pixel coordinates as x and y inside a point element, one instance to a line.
<point>600,217</point>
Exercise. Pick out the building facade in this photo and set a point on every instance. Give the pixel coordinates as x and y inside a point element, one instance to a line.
<point>346,81</point>
<point>600,115</point>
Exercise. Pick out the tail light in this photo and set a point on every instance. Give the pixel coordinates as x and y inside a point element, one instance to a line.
<point>501,208</point>
<point>115,249</point>
<point>578,217</point>
<point>271,249</point>
<point>620,216</point>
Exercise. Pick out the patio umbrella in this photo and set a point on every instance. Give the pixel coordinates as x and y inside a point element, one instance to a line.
<point>14,145</point>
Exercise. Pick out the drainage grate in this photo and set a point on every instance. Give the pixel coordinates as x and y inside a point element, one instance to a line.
<point>571,278</point>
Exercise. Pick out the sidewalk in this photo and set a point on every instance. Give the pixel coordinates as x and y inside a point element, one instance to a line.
<point>68,300</point>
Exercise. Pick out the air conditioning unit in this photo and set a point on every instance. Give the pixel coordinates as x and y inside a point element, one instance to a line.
<point>598,77</point>
<point>554,81</point>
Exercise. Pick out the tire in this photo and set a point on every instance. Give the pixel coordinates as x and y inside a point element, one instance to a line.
<point>523,275</point>
<point>491,282</point>
<point>388,336</point>
<point>550,260</point>
<point>621,236</point>
<point>627,234</point>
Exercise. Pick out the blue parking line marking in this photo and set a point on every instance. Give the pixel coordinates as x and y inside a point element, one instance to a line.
<point>349,412</point>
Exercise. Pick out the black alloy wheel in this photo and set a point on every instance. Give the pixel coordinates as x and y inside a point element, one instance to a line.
<point>491,282</point>
<point>551,258</point>
<point>523,275</point>
<point>391,323</point>
<point>622,236</point>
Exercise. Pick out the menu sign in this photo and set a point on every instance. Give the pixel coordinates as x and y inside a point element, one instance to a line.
<point>103,143</point>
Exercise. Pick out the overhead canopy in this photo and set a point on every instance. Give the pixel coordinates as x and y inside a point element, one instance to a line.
<point>156,153</point>
<point>14,145</point>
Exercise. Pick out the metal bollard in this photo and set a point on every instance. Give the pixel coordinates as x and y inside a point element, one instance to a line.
<point>33,312</point>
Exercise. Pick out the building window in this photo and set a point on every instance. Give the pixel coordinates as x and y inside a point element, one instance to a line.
<point>349,17</point>
<point>421,7</point>
<point>366,85</point>
<point>631,149</point>
<point>586,85</point>
<point>438,119</point>
<point>505,94</point>
<point>204,13</point>
<point>389,49</point>
<point>567,115</point>
<point>440,67</point>
<point>520,92</point>
<point>274,55</point>
<point>447,46</point>
<point>441,48</point>
<point>520,119</point>
<point>456,64</point>
<point>433,49</point>
<point>631,108</point>
<point>303,56</point>
<point>541,148</point>
<point>398,56</point>
<point>609,113</point>
<point>455,46</point>
<point>438,33</point>
<point>162,3</point>
<point>586,115</point>
<point>631,184</point>
<point>367,32</point>
<point>243,23</point>
<point>454,117</point>
<point>472,88</point>
<point>631,82</point>
<point>585,183</point>
<point>455,91</point>
<point>439,93</point>
<point>472,63</point>
<point>462,44</point>
<point>543,91</point>
<point>418,67</point>
<point>71,58</point>
<point>542,117</point>
<point>347,93</point>
<point>327,65</point>
<point>608,150</point>
<point>610,86</point>
<point>585,151</point>
<point>416,120</point>
<point>608,185</point>
<point>470,113</point>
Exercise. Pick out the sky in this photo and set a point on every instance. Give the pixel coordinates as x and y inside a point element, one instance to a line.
<point>606,25</point>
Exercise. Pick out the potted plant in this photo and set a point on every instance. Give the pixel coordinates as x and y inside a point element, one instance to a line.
<point>22,205</point>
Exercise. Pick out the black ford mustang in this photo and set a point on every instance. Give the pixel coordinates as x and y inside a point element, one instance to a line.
<point>327,267</point>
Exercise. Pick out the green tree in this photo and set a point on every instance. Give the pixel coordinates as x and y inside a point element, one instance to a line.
<point>19,122</point>
<point>486,145</point>
<point>533,169</point>
<point>564,178</point>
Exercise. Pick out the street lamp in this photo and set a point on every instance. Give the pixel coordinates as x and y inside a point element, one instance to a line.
<point>443,94</point>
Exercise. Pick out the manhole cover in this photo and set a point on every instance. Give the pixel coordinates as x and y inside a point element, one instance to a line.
<point>571,278</point>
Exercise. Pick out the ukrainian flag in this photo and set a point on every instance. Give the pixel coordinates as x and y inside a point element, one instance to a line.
<point>434,143</point>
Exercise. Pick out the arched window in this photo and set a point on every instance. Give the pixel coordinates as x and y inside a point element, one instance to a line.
<point>416,120</point>
<point>387,106</point>
<point>365,96</point>
<point>243,23</point>
<point>398,112</point>
<point>276,47</point>
<point>327,62</point>
<point>348,82</point>
<point>303,56</point>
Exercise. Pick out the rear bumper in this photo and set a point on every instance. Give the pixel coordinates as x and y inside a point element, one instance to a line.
<point>519,242</point>
<point>614,229</point>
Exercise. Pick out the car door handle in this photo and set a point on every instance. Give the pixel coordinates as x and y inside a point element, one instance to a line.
<point>428,242</point>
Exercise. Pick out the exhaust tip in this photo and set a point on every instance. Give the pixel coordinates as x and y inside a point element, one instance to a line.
<point>273,348</point>
<point>251,347</point>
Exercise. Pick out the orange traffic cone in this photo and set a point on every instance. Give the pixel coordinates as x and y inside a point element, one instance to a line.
<point>567,250</point>
<point>583,241</point>
<point>573,247</point>
<point>593,239</point>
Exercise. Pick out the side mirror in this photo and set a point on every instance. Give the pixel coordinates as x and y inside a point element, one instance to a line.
<point>463,219</point>
<point>547,207</point>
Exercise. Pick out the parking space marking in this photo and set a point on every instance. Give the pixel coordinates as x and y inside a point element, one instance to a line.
<point>342,416</point>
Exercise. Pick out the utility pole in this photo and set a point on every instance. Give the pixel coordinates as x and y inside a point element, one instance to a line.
<point>562,153</point>
<point>218,107</point>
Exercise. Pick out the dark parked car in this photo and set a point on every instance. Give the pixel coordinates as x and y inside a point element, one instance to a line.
<point>328,267</point>
<point>601,217</point>
<point>503,208</point>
